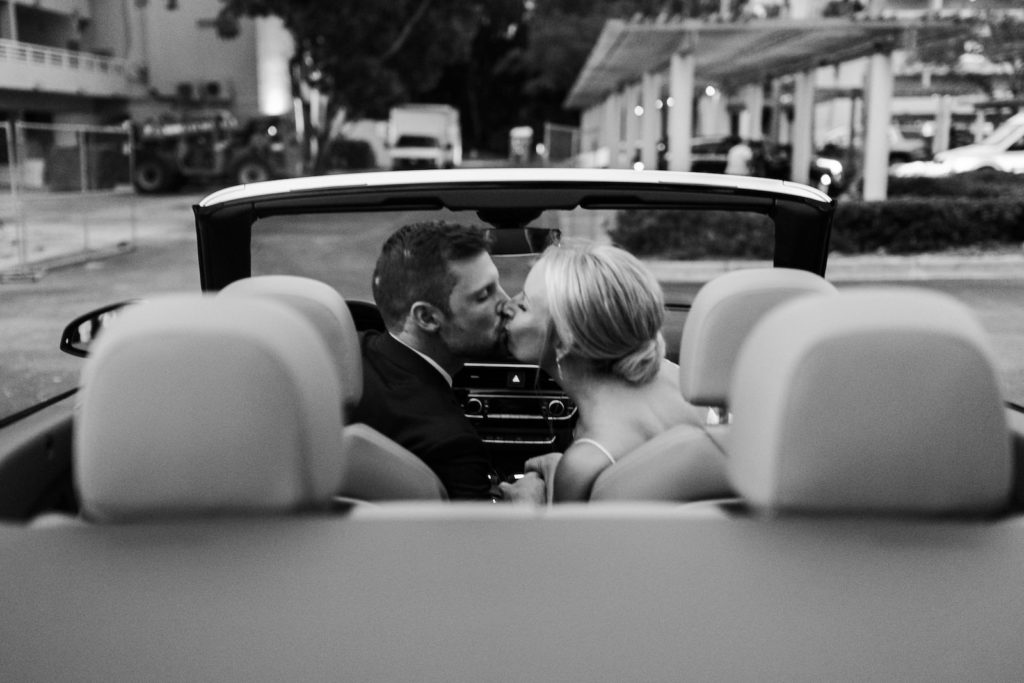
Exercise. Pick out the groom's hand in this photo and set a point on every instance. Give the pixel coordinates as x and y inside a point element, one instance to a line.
<point>528,489</point>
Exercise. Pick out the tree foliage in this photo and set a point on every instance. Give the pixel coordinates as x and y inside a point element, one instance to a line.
<point>367,56</point>
<point>502,62</point>
<point>999,39</point>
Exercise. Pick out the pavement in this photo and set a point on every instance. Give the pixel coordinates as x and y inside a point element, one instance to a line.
<point>56,239</point>
<point>995,265</point>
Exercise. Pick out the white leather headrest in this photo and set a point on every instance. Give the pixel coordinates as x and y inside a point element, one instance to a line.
<point>723,313</point>
<point>195,405</point>
<point>323,306</point>
<point>875,400</point>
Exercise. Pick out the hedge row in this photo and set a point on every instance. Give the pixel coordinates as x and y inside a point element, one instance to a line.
<point>921,215</point>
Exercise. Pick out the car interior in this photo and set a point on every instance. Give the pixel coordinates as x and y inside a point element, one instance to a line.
<point>210,547</point>
<point>202,508</point>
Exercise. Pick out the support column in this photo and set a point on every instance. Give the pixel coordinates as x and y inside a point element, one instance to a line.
<point>878,107</point>
<point>12,18</point>
<point>650,122</point>
<point>943,122</point>
<point>775,126</point>
<point>713,114</point>
<point>630,104</point>
<point>680,115</point>
<point>753,103</point>
<point>610,133</point>
<point>801,133</point>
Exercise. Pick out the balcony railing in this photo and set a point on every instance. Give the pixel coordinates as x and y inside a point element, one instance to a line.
<point>27,53</point>
<point>26,66</point>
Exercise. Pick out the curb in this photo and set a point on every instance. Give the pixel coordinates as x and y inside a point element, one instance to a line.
<point>863,268</point>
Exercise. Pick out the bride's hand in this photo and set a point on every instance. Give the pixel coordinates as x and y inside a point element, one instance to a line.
<point>543,465</point>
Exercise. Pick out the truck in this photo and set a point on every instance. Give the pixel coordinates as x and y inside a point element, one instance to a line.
<point>424,136</point>
<point>211,146</point>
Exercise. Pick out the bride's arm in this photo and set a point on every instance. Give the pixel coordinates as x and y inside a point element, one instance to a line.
<point>576,472</point>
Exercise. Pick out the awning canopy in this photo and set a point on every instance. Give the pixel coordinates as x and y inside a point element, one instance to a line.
<point>733,54</point>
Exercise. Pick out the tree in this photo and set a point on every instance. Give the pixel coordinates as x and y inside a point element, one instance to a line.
<point>368,56</point>
<point>998,39</point>
<point>501,62</point>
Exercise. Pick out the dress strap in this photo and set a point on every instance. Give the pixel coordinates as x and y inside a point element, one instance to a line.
<point>597,446</point>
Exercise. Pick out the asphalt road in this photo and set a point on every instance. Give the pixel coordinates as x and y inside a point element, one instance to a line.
<point>33,313</point>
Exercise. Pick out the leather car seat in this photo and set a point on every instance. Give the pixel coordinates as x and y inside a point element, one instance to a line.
<point>686,463</point>
<point>379,469</point>
<point>880,401</point>
<point>721,316</point>
<point>194,405</point>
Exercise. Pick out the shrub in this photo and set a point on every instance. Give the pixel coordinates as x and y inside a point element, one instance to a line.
<point>694,235</point>
<point>907,225</point>
<point>978,184</point>
<point>982,210</point>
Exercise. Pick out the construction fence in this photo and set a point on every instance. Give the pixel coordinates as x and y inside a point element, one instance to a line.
<point>65,195</point>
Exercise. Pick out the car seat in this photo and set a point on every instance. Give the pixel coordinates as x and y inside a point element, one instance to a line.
<point>194,405</point>
<point>379,469</point>
<point>880,401</point>
<point>686,463</point>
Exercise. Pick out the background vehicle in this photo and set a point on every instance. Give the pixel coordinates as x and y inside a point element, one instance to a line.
<point>902,148</point>
<point>770,161</point>
<point>210,147</point>
<point>1001,150</point>
<point>424,136</point>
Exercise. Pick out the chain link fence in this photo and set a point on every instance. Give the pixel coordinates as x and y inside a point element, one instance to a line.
<point>65,196</point>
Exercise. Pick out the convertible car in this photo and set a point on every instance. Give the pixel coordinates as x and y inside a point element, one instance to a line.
<point>198,511</point>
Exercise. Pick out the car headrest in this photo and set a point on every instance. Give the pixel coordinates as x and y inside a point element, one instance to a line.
<point>323,306</point>
<point>876,400</point>
<point>194,405</point>
<point>723,313</point>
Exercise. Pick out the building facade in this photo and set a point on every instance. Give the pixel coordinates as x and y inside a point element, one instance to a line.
<point>103,61</point>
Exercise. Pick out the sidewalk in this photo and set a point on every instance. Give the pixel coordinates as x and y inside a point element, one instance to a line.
<point>57,239</point>
<point>866,268</point>
<point>64,230</point>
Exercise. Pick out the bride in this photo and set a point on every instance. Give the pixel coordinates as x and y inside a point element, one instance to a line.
<point>591,315</point>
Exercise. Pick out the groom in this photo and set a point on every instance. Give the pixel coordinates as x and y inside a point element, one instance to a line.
<point>438,292</point>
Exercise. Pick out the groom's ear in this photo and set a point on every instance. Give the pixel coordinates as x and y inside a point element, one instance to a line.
<point>426,316</point>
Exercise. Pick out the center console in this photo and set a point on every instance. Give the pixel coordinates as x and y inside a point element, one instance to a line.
<point>518,410</point>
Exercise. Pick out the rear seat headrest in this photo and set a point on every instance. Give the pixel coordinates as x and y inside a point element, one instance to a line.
<point>323,306</point>
<point>876,400</point>
<point>195,405</point>
<point>723,313</point>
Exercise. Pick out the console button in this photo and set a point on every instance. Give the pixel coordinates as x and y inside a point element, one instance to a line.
<point>474,406</point>
<point>556,408</point>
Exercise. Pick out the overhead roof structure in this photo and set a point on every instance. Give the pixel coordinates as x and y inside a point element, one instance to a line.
<point>742,52</point>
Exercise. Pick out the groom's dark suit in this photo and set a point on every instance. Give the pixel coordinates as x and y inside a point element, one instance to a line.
<point>407,399</point>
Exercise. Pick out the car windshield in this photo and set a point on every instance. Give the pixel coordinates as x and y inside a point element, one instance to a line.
<point>416,141</point>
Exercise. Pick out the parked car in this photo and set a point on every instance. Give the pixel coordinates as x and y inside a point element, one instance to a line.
<point>771,160</point>
<point>1001,150</point>
<point>873,533</point>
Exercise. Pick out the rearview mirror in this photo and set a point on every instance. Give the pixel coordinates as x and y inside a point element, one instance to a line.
<point>81,332</point>
<point>507,242</point>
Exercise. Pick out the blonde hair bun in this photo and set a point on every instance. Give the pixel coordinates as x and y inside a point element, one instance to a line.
<point>607,308</point>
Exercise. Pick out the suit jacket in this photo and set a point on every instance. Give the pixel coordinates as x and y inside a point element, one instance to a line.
<point>407,399</point>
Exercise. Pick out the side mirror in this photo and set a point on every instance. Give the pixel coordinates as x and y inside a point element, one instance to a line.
<point>81,332</point>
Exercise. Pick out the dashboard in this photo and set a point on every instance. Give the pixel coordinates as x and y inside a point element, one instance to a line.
<point>518,410</point>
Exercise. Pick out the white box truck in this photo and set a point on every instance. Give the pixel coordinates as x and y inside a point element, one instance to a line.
<point>424,136</point>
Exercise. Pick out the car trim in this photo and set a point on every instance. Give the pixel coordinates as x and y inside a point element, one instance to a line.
<point>506,176</point>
